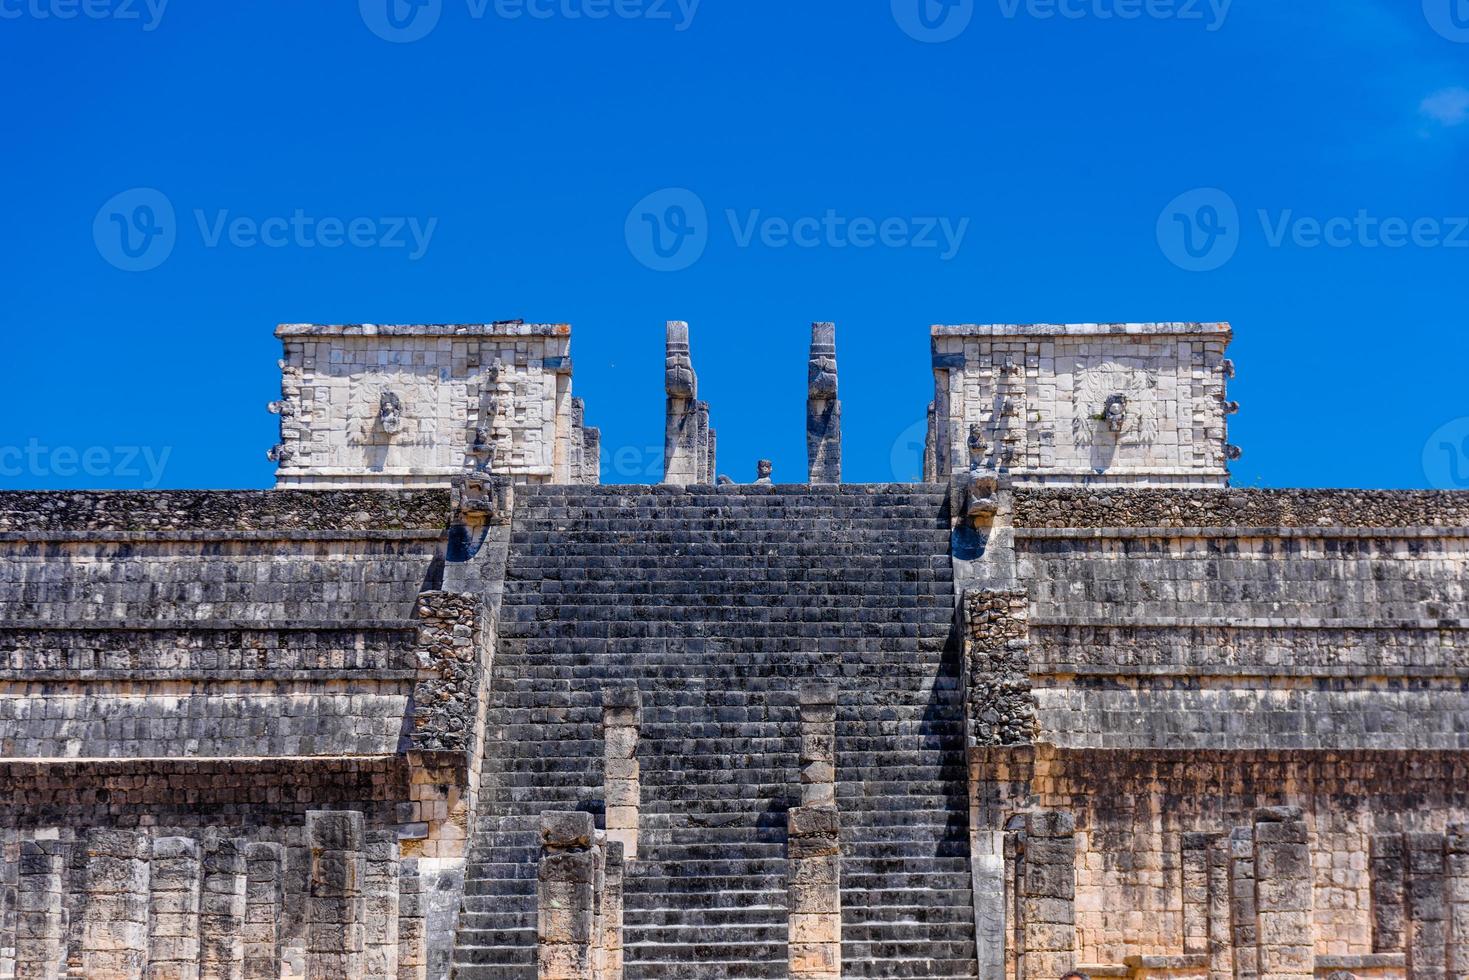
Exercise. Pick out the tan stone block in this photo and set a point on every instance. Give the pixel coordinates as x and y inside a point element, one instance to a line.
<point>622,818</point>
<point>815,958</point>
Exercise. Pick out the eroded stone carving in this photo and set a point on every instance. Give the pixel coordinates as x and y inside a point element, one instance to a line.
<point>1114,413</point>
<point>390,412</point>
<point>823,409</point>
<point>763,469</point>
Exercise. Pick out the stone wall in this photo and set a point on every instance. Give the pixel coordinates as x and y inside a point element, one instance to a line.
<point>1251,704</point>
<point>369,406</point>
<point>1083,403</point>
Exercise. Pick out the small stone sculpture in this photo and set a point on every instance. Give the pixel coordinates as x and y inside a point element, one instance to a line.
<point>390,412</point>
<point>764,468</point>
<point>1114,413</point>
<point>979,492</point>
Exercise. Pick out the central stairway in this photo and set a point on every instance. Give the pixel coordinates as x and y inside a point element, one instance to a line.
<point>719,604</point>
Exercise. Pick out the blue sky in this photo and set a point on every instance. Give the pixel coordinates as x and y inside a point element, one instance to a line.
<point>1087,158</point>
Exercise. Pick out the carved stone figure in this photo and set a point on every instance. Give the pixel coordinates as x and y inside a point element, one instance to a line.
<point>1114,413</point>
<point>979,492</point>
<point>390,412</point>
<point>823,408</point>
<point>763,469</point>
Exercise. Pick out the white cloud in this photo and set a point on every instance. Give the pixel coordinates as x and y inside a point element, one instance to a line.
<point>1449,107</point>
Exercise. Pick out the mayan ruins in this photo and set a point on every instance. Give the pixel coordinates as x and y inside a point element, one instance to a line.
<point>443,704</point>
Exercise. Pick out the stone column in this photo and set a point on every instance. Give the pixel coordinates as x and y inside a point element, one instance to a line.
<point>380,906</point>
<point>1221,939</point>
<point>823,409</point>
<point>261,934</point>
<point>412,954</point>
<point>612,910</point>
<point>1047,896</point>
<point>814,844</point>
<point>688,442</point>
<point>297,892</point>
<point>173,941</point>
<point>1283,894</point>
<point>334,932</point>
<point>1389,893</point>
<point>818,745</point>
<point>1456,891</point>
<point>565,904</point>
<point>40,945</point>
<point>222,909</point>
<point>814,851</point>
<point>1242,902</point>
<point>1427,911</point>
<point>1194,868</point>
<point>115,926</point>
<point>621,720</point>
<point>9,870</point>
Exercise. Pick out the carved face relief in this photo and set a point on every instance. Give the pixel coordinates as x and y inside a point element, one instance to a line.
<point>1114,413</point>
<point>390,412</point>
<point>765,467</point>
<point>977,446</point>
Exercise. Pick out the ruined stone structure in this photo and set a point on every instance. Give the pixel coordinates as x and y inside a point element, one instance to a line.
<point>442,705</point>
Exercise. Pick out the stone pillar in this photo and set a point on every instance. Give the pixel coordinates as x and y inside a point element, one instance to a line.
<point>115,916</point>
<point>334,932</point>
<point>1242,902</point>
<point>818,745</point>
<point>1427,932</point>
<point>615,863</point>
<point>1456,891</point>
<point>1283,894</point>
<point>1047,895</point>
<point>40,945</point>
<point>222,909</point>
<point>814,851</point>
<point>297,892</point>
<point>688,444</point>
<point>412,951</point>
<point>565,903</point>
<point>1389,885</point>
<point>1194,866</point>
<point>814,844</point>
<point>987,860</point>
<point>823,409</point>
<point>380,907</point>
<point>261,936</point>
<point>1221,939</point>
<point>173,941</point>
<point>621,721</point>
<point>9,869</point>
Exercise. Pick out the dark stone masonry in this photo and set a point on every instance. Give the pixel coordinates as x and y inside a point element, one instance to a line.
<point>441,705</point>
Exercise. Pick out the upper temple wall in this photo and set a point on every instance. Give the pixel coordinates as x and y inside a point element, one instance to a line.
<point>1133,403</point>
<point>384,406</point>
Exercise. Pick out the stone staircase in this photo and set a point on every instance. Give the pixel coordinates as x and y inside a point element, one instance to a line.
<point>719,605</point>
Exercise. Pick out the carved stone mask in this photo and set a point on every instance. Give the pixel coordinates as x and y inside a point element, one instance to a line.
<point>976,446</point>
<point>764,467</point>
<point>390,412</point>
<point>1114,413</point>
